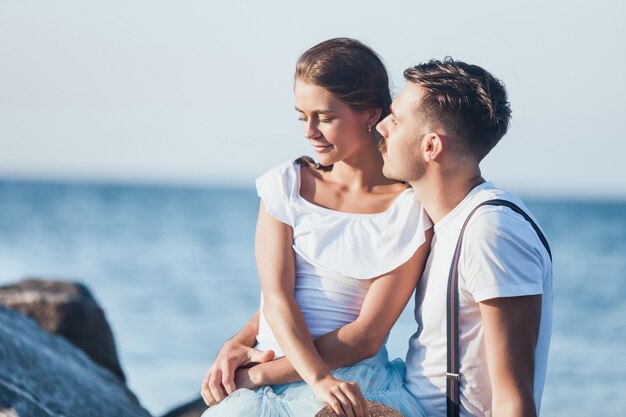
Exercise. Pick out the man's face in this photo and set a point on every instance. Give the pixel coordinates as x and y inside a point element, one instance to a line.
<point>402,133</point>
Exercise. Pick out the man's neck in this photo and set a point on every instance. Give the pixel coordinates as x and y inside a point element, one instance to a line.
<point>439,195</point>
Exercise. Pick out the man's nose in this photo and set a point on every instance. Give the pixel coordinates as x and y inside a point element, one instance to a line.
<point>381,127</point>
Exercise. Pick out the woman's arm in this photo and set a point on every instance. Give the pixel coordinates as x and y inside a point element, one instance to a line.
<point>361,339</point>
<point>276,266</point>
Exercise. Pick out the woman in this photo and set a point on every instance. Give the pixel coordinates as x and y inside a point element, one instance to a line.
<point>339,249</point>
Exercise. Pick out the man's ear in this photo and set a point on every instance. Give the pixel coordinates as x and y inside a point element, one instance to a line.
<point>432,146</point>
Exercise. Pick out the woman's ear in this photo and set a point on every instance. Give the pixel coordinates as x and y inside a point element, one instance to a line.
<point>373,116</point>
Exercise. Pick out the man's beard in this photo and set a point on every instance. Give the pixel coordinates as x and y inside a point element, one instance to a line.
<point>410,170</point>
<point>382,146</point>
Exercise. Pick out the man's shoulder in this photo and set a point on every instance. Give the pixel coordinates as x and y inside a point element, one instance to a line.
<point>502,253</point>
<point>488,191</point>
<point>498,219</point>
<point>498,228</point>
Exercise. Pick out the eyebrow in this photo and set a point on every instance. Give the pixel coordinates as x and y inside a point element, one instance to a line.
<point>321,111</point>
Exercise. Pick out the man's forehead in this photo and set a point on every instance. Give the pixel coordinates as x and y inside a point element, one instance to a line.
<point>408,99</point>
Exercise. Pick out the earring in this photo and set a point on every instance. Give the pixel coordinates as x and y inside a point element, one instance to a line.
<point>369,128</point>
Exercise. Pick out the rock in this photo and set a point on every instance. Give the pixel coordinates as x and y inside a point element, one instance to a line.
<point>193,408</point>
<point>67,309</point>
<point>43,375</point>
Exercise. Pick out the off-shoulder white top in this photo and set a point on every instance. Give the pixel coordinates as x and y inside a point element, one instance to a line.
<point>337,253</point>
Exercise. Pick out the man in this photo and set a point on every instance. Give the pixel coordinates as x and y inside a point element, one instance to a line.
<point>444,122</point>
<point>447,118</point>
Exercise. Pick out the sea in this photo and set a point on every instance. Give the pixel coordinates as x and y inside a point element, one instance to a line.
<point>173,267</point>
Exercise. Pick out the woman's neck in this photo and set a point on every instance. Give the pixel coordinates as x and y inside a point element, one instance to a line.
<point>363,172</point>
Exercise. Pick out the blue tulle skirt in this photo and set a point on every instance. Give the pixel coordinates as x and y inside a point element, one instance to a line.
<point>380,380</point>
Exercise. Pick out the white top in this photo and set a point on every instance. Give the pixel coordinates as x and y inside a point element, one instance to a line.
<point>337,253</point>
<point>501,256</point>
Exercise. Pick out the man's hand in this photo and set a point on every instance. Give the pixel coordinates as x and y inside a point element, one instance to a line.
<point>219,380</point>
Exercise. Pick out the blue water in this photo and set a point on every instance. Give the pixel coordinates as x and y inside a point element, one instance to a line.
<point>174,270</point>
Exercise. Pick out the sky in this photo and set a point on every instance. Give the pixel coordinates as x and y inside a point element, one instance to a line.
<point>201,92</point>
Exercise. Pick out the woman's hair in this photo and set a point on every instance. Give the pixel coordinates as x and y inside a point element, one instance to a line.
<point>351,71</point>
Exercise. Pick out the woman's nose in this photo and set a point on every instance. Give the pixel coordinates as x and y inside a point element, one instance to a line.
<point>310,130</point>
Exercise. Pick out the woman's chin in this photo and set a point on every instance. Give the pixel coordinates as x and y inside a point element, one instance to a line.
<point>324,159</point>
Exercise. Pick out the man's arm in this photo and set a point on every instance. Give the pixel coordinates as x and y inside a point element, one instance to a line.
<point>361,339</point>
<point>235,352</point>
<point>247,335</point>
<point>504,268</point>
<point>511,329</point>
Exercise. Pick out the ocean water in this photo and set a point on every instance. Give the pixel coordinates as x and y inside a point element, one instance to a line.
<point>173,267</point>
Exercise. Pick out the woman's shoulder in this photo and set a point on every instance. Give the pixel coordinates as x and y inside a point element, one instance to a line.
<point>283,169</point>
<point>277,187</point>
<point>283,177</point>
<point>289,176</point>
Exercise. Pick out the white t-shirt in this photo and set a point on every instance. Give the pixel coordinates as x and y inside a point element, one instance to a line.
<point>337,253</point>
<point>501,256</point>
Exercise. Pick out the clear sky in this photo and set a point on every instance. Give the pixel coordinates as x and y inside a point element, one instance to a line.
<point>201,92</point>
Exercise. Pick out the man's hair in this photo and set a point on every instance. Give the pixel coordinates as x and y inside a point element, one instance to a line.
<point>465,100</point>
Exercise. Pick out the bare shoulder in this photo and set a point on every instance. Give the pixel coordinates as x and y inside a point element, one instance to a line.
<point>325,189</point>
<point>310,179</point>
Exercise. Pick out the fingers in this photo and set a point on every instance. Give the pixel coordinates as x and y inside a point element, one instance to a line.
<point>350,399</point>
<point>344,398</point>
<point>336,406</point>
<point>228,377</point>
<point>356,398</point>
<point>255,355</point>
<point>219,381</point>
<point>205,392</point>
<point>215,385</point>
<point>226,367</point>
<point>208,398</point>
<point>345,404</point>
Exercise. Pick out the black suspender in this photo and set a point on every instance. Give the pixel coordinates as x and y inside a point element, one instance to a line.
<point>453,377</point>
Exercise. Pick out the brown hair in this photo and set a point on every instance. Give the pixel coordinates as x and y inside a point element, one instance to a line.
<point>351,71</point>
<point>466,100</point>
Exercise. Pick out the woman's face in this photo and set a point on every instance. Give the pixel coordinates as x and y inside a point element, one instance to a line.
<point>335,131</point>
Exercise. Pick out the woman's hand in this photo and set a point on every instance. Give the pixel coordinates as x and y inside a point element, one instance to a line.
<point>345,398</point>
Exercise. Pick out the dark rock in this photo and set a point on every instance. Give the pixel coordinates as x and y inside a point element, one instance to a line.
<point>43,375</point>
<point>191,409</point>
<point>67,309</point>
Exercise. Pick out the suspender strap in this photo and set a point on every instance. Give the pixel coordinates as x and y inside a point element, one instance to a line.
<point>453,376</point>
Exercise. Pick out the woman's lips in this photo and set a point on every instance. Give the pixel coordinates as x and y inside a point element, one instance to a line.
<point>322,148</point>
